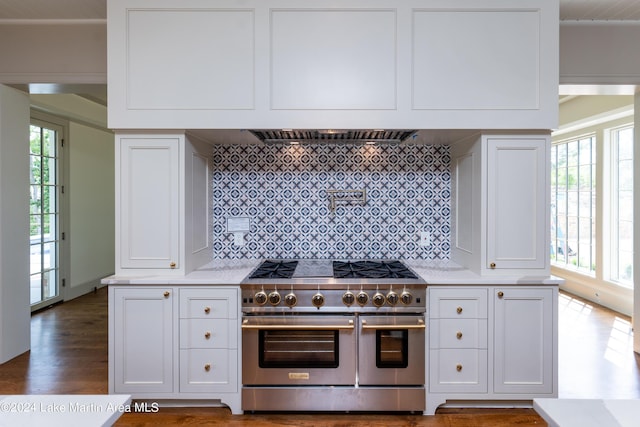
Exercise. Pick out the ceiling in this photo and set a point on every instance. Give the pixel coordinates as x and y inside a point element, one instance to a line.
<point>570,10</point>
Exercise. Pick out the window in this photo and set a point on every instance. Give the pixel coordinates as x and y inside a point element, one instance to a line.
<point>621,231</point>
<point>44,215</point>
<point>573,192</point>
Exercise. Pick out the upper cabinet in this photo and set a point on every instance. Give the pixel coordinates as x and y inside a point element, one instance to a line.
<point>500,204</point>
<point>417,64</point>
<point>162,204</point>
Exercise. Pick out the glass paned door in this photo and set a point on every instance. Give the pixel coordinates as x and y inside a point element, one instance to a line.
<point>45,189</point>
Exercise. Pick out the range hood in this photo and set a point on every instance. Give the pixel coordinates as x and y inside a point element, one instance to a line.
<point>293,136</point>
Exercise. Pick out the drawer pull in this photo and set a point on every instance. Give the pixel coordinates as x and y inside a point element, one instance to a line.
<point>458,367</point>
<point>492,265</point>
<point>166,294</point>
<point>207,310</point>
<point>207,335</point>
<point>459,310</point>
<point>207,367</point>
<point>500,294</point>
<point>459,335</point>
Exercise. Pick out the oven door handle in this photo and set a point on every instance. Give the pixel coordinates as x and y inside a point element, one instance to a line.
<point>246,325</point>
<point>419,325</point>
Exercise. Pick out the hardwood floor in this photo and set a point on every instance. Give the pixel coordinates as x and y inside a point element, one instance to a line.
<point>69,356</point>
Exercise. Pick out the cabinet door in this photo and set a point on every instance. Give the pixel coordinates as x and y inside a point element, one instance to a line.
<point>148,223</point>
<point>524,340</point>
<point>517,208</point>
<point>143,340</point>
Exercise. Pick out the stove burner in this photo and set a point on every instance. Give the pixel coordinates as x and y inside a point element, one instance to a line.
<point>271,269</point>
<point>371,270</point>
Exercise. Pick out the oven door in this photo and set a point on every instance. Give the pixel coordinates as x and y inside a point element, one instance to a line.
<point>391,350</point>
<point>299,350</point>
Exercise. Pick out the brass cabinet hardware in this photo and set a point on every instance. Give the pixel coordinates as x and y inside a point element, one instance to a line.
<point>207,367</point>
<point>492,265</point>
<point>458,367</point>
<point>166,294</point>
<point>207,310</point>
<point>459,335</point>
<point>459,310</point>
<point>207,335</point>
<point>500,294</point>
<point>172,264</point>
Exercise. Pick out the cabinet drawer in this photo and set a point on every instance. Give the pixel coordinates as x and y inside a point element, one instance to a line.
<point>458,371</point>
<point>208,333</point>
<point>209,303</point>
<point>458,303</point>
<point>203,371</point>
<point>458,333</point>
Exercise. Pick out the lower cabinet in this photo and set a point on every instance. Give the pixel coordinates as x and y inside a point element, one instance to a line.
<point>175,343</point>
<point>491,344</point>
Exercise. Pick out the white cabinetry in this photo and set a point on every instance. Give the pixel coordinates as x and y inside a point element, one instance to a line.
<point>162,187</point>
<point>208,340</point>
<point>500,209</point>
<point>175,343</point>
<point>141,340</point>
<point>492,343</point>
<point>525,348</point>
<point>255,64</point>
<point>458,340</point>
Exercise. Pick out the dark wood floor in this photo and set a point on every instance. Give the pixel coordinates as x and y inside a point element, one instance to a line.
<point>69,356</point>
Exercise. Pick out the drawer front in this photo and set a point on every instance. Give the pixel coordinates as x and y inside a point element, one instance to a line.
<point>204,371</point>
<point>458,303</point>
<point>458,333</point>
<point>458,371</point>
<point>209,303</point>
<point>208,333</point>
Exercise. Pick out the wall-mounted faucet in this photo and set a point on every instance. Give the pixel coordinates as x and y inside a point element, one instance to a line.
<point>346,196</point>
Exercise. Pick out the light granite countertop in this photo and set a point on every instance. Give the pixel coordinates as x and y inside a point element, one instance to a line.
<point>233,271</point>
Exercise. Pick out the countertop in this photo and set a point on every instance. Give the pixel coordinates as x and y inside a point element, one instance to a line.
<point>588,412</point>
<point>63,410</point>
<point>233,271</point>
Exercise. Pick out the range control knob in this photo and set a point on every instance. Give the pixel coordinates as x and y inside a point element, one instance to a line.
<point>274,298</point>
<point>392,298</point>
<point>406,298</point>
<point>378,299</point>
<point>362,298</point>
<point>317,300</point>
<point>348,298</point>
<point>290,300</point>
<point>260,298</point>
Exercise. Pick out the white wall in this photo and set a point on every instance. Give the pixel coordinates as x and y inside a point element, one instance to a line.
<point>599,53</point>
<point>14,224</point>
<point>91,232</point>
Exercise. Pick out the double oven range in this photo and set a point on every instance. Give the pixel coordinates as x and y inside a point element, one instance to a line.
<point>323,335</point>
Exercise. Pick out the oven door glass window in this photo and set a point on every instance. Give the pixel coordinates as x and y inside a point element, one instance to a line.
<point>392,348</point>
<point>298,349</point>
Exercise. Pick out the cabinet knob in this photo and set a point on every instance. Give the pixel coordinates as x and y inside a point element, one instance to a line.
<point>500,294</point>
<point>166,294</point>
<point>492,265</point>
<point>459,310</point>
<point>458,367</point>
<point>172,264</point>
<point>207,335</point>
<point>207,367</point>
<point>207,310</point>
<point>459,335</point>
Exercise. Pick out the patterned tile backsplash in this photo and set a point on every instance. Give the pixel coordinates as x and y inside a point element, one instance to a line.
<point>283,189</point>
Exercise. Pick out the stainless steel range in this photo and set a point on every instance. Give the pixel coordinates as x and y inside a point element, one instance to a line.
<point>323,335</point>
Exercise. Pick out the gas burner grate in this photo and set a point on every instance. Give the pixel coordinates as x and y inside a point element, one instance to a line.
<point>274,269</point>
<point>371,270</point>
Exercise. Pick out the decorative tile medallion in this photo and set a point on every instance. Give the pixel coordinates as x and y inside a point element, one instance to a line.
<point>283,189</point>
